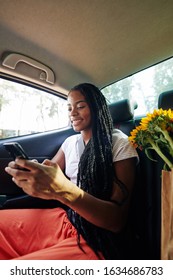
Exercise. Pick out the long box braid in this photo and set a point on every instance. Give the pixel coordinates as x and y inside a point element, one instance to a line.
<point>95,171</point>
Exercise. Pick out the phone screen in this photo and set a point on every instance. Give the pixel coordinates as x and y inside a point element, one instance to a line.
<point>15,150</point>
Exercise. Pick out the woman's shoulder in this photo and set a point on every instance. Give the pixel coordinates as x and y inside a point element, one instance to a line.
<point>73,137</point>
<point>71,140</point>
<point>122,148</point>
<point>118,135</point>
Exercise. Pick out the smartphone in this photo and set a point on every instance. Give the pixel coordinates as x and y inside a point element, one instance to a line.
<point>15,150</point>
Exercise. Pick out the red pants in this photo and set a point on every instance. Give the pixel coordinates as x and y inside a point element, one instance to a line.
<point>40,234</point>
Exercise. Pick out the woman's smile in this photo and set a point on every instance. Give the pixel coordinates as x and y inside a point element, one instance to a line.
<point>76,122</point>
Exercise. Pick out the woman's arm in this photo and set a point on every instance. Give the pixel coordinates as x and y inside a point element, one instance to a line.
<point>59,158</point>
<point>110,215</point>
<point>47,181</point>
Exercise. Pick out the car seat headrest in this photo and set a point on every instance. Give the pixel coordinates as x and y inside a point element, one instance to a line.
<point>122,110</point>
<point>165,100</point>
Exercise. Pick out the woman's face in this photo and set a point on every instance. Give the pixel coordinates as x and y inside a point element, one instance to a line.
<point>79,111</point>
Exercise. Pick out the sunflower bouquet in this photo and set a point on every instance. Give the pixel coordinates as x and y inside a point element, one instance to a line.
<point>155,132</point>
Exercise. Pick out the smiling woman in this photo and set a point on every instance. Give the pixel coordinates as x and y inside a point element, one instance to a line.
<point>124,48</point>
<point>97,196</point>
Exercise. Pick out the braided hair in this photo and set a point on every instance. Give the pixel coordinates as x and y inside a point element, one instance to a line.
<point>95,170</point>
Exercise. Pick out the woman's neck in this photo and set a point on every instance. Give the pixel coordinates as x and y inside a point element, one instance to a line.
<point>86,135</point>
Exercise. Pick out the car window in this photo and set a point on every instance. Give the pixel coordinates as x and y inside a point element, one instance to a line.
<point>25,110</point>
<point>143,87</point>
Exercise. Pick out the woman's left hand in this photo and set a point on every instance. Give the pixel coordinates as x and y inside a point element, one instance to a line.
<point>44,180</point>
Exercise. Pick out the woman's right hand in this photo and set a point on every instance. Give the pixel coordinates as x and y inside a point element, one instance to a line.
<point>13,165</point>
<point>44,180</point>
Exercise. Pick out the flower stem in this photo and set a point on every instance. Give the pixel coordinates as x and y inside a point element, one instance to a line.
<point>169,139</point>
<point>158,151</point>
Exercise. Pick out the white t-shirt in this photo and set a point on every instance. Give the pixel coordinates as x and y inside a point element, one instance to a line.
<point>73,147</point>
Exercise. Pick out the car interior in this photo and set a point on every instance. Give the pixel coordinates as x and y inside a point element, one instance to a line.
<point>50,46</point>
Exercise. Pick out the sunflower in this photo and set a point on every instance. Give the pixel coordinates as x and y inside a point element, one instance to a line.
<point>155,132</point>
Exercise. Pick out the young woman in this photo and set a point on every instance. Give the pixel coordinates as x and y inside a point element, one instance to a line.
<point>92,174</point>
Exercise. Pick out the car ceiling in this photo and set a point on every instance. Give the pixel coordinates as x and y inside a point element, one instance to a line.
<point>93,41</point>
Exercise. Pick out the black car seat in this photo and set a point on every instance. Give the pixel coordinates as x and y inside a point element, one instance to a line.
<point>128,241</point>
<point>165,100</point>
<point>122,113</point>
<point>148,210</point>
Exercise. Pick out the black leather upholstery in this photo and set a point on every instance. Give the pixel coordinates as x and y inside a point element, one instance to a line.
<point>165,100</point>
<point>141,239</point>
<point>147,212</point>
<point>122,113</point>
